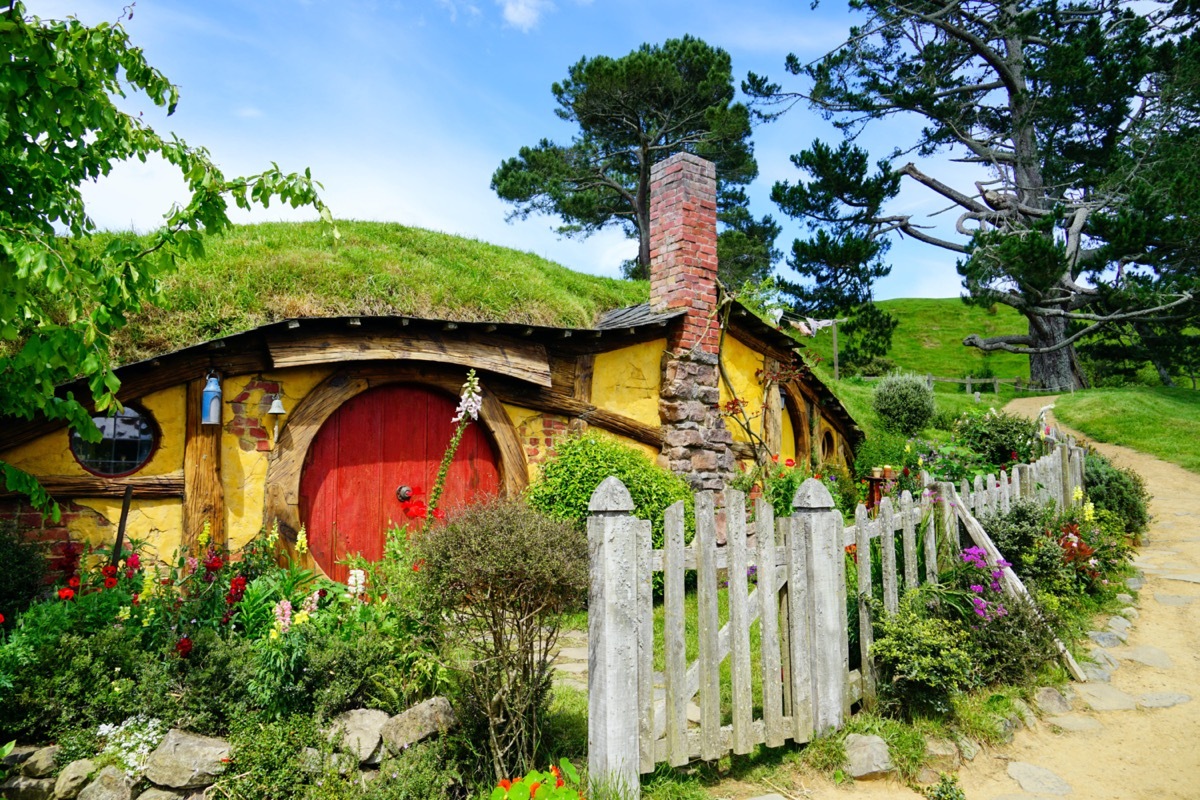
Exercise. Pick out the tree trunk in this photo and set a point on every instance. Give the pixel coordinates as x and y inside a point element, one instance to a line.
<point>1056,370</point>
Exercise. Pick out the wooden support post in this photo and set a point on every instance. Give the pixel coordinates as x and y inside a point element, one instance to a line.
<point>817,532</point>
<point>673,642</point>
<point>908,526</point>
<point>613,729</point>
<point>768,597</point>
<point>203,495</point>
<point>887,549</point>
<point>709,626</point>
<point>866,631</point>
<point>739,623</point>
<point>1064,470</point>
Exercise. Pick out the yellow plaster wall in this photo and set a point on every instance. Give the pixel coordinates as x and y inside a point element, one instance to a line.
<point>244,473</point>
<point>51,454</point>
<point>787,447</point>
<point>740,365</point>
<point>527,420</point>
<point>627,381</point>
<point>157,525</point>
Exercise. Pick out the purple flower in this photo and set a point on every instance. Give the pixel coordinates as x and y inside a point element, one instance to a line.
<point>976,588</point>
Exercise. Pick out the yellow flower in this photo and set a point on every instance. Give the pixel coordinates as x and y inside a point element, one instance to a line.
<point>908,448</point>
<point>1089,512</point>
<point>205,535</point>
<point>273,536</point>
<point>920,461</point>
<point>302,541</point>
<point>123,613</point>
<point>1078,493</point>
<point>300,618</point>
<point>147,618</point>
<point>274,634</point>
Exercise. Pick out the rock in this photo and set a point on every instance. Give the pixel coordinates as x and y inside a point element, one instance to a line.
<point>155,793</point>
<point>1025,715</point>
<point>1173,599</point>
<point>314,761</point>
<point>357,733</point>
<point>18,755</point>
<point>110,784</point>
<point>73,778</point>
<point>1104,658</point>
<point>942,756</point>
<point>1037,780</point>
<point>867,757</point>
<point>1096,674</point>
<point>22,787</point>
<point>1050,701</point>
<point>1105,638</point>
<point>187,761</point>
<point>1192,578</point>
<point>1149,655</point>
<point>1119,625</point>
<point>1127,599</point>
<point>967,748</point>
<point>1163,699</point>
<point>417,723</point>
<point>1076,723</point>
<point>1135,583</point>
<point>1007,727</point>
<point>1130,613</point>
<point>928,777</point>
<point>40,763</point>
<point>1105,698</point>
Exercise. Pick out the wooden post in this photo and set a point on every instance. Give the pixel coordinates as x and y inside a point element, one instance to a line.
<point>929,536</point>
<point>908,527</point>
<point>673,643</point>
<point>709,627</point>
<point>836,374</point>
<point>739,623</point>
<point>613,728</point>
<point>887,548</point>
<point>817,533</point>
<point>866,630</point>
<point>203,495</point>
<point>949,523</point>
<point>768,594</point>
<point>1064,470</point>
<point>969,385</point>
<point>996,386</point>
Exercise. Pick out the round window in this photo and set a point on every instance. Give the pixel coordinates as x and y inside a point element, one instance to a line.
<point>127,438</point>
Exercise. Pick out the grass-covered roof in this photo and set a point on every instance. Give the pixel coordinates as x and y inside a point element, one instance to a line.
<point>258,274</point>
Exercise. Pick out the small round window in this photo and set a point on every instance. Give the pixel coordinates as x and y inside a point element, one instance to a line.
<point>127,439</point>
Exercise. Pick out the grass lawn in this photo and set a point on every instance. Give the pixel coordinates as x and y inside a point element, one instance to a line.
<point>1157,420</point>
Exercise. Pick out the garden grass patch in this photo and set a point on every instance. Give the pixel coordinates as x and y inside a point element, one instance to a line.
<point>1162,421</point>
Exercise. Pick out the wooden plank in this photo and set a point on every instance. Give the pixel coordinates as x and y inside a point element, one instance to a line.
<point>1005,492</point>
<point>706,603</point>
<point>739,621</point>
<point>673,641</point>
<point>65,487</point>
<point>991,493</point>
<point>1014,587</point>
<point>523,360</point>
<point>949,525</point>
<point>645,644</point>
<point>979,497</point>
<point>203,494</point>
<point>800,623</point>
<point>772,411</point>
<point>929,536</point>
<point>584,367</point>
<point>1017,489</point>
<point>908,525</point>
<point>541,399</point>
<point>887,547</point>
<point>768,597</point>
<point>866,635</point>
<point>784,531</point>
<point>722,558</point>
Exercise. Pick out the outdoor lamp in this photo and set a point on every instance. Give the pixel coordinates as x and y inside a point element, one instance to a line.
<point>210,402</point>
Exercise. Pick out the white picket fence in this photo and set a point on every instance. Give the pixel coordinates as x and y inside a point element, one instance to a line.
<point>639,716</point>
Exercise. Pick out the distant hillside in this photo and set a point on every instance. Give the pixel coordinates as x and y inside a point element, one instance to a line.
<point>929,338</point>
<point>257,274</point>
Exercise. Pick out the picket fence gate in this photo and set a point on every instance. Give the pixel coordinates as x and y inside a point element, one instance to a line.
<point>638,717</point>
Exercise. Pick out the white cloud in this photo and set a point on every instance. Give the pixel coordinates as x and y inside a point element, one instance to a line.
<point>524,14</point>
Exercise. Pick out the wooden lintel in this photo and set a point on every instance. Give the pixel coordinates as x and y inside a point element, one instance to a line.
<point>526,361</point>
<point>65,487</point>
<point>565,404</point>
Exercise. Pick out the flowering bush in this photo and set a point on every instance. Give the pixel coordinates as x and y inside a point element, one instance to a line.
<point>923,660</point>
<point>128,745</point>
<point>559,783</point>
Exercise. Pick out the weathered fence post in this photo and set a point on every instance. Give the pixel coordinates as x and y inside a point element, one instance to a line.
<point>1064,471</point>
<point>887,550</point>
<point>613,726</point>
<point>866,629</point>
<point>816,530</point>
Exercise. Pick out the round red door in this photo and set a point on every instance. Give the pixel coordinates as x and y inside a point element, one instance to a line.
<point>376,442</point>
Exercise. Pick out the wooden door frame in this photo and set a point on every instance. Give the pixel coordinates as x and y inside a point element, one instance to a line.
<point>286,462</point>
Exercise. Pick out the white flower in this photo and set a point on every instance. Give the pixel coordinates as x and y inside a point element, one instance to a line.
<point>472,399</point>
<point>357,582</point>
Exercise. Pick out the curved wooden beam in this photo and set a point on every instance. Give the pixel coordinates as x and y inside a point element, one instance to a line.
<point>286,461</point>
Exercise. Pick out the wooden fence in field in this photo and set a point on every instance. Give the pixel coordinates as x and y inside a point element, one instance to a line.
<point>639,716</point>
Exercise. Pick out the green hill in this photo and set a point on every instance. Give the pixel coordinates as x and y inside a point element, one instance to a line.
<point>257,274</point>
<point>929,338</point>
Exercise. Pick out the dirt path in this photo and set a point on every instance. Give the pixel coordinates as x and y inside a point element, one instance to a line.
<point>1134,754</point>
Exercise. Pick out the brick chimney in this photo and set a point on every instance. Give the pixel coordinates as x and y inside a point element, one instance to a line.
<point>683,248</point>
<point>683,275</point>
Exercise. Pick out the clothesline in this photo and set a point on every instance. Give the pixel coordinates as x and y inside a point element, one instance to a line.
<point>806,325</point>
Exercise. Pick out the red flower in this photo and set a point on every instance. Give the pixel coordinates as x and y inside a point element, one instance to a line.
<point>775,459</point>
<point>110,583</point>
<point>136,598</point>
<point>73,582</point>
<point>439,514</point>
<point>109,571</point>
<point>322,593</point>
<point>183,647</point>
<point>166,581</point>
<point>533,789</point>
<point>133,562</point>
<point>505,784</point>
<point>1,619</point>
<point>558,784</point>
<point>213,563</point>
<point>420,562</point>
<point>66,594</point>
<point>791,462</point>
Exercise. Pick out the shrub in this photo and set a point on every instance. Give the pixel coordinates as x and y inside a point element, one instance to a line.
<point>1001,438</point>
<point>266,763</point>
<point>504,573</point>
<point>883,448</point>
<point>1121,491</point>
<point>1016,532</point>
<point>567,481</point>
<point>22,568</point>
<point>923,660</point>
<point>1013,648</point>
<point>904,403</point>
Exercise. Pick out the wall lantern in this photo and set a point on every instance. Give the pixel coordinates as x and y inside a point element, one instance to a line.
<point>210,403</point>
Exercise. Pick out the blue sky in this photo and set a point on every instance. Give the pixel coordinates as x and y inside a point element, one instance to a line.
<point>403,110</point>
